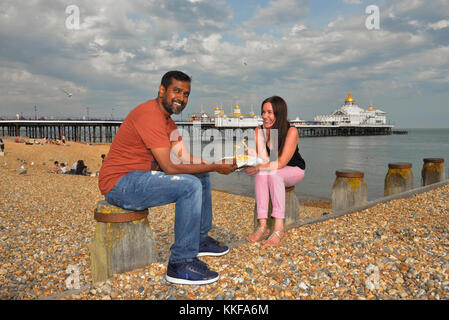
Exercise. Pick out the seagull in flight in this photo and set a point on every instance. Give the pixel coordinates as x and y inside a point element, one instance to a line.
<point>67,93</point>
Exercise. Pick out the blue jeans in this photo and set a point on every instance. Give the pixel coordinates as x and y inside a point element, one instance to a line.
<point>138,190</point>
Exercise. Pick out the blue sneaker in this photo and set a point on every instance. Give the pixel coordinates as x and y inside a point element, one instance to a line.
<point>190,272</point>
<point>211,247</point>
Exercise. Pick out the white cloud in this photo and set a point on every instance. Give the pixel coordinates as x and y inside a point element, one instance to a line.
<point>439,25</point>
<point>297,28</point>
<point>279,12</point>
<point>212,42</point>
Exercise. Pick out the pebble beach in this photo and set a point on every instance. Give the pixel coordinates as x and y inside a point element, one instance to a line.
<point>394,250</point>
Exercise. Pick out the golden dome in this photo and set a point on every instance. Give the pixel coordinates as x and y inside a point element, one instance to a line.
<point>349,98</point>
<point>217,108</point>
<point>371,107</point>
<point>237,107</point>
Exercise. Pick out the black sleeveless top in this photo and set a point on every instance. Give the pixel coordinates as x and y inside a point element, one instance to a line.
<point>295,161</point>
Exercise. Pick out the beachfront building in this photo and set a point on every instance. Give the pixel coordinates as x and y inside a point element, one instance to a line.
<point>237,119</point>
<point>297,121</point>
<point>351,114</point>
<point>201,118</point>
<point>218,112</point>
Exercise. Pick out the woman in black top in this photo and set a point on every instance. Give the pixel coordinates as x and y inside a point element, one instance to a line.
<point>277,144</point>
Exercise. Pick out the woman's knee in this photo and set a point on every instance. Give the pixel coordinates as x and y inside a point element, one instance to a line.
<point>275,179</point>
<point>261,177</point>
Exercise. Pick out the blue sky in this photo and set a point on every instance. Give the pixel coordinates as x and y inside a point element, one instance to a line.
<point>312,53</point>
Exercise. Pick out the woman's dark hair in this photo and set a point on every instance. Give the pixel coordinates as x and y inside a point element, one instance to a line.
<point>80,166</point>
<point>281,123</point>
<point>177,75</point>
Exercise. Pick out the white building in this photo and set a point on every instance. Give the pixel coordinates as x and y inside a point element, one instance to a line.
<point>351,114</point>
<point>237,119</point>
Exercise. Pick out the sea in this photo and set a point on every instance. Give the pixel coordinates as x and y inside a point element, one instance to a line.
<point>369,154</point>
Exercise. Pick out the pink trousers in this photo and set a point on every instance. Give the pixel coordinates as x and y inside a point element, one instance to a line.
<point>273,182</point>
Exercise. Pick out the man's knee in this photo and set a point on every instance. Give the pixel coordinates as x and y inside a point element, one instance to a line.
<point>190,183</point>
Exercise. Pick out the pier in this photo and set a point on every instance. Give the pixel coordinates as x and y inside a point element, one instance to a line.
<point>73,130</point>
<point>343,130</point>
<point>307,130</point>
<point>104,131</point>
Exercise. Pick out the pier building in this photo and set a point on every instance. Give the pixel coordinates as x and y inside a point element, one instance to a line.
<point>350,113</point>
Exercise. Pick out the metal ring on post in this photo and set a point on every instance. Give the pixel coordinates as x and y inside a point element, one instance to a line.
<point>120,217</point>
<point>399,165</point>
<point>349,174</point>
<point>433,160</point>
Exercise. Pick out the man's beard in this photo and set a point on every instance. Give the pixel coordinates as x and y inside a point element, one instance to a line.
<point>170,108</point>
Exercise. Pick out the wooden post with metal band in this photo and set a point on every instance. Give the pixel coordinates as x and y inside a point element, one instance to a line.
<point>432,171</point>
<point>349,190</point>
<point>399,178</point>
<point>123,241</point>
<point>291,209</point>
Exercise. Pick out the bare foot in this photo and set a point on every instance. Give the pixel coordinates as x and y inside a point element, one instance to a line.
<point>260,233</point>
<point>275,239</point>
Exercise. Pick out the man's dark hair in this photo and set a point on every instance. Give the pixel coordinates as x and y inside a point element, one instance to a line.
<point>177,75</point>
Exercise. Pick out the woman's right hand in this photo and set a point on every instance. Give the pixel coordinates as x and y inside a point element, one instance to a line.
<point>251,170</point>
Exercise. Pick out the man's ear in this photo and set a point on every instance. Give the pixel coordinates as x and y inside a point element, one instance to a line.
<point>161,90</point>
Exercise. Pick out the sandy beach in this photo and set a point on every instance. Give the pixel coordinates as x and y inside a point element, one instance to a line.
<point>396,250</point>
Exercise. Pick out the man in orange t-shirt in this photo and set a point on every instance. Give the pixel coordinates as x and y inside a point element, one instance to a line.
<point>139,173</point>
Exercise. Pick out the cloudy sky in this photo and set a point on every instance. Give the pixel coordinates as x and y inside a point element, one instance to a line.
<point>312,53</point>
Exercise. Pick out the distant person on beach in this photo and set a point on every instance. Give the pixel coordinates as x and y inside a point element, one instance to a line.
<point>56,168</point>
<point>139,172</point>
<point>102,158</point>
<point>73,168</point>
<point>284,167</point>
<point>2,145</point>
<point>63,168</point>
<point>81,168</point>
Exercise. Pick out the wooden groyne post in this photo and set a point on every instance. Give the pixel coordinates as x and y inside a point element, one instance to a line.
<point>349,190</point>
<point>399,178</point>
<point>123,241</point>
<point>432,171</point>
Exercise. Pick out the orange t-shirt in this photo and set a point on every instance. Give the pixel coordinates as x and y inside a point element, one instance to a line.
<point>144,128</point>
